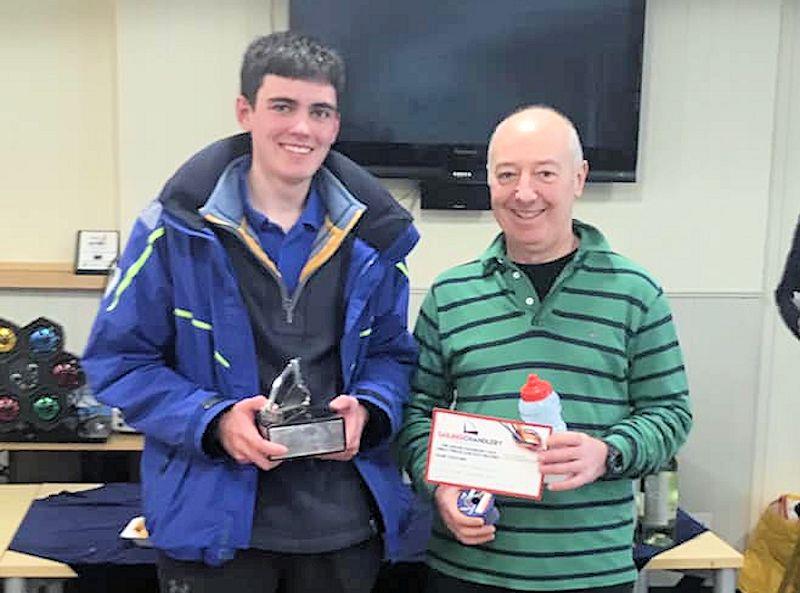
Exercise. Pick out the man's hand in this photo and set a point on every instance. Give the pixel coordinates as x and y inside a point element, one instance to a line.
<point>575,455</point>
<point>470,531</point>
<point>355,418</point>
<point>239,436</point>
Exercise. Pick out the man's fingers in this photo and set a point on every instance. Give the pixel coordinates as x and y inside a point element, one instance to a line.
<point>270,449</point>
<point>472,534</point>
<point>559,468</point>
<point>355,417</point>
<point>575,481</point>
<point>462,521</point>
<point>345,455</point>
<point>254,404</point>
<point>266,465</point>
<point>250,447</point>
<point>473,530</point>
<point>468,530</point>
<point>475,540</point>
<point>556,455</point>
<point>342,403</point>
<point>266,461</point>
<point>567,438</point>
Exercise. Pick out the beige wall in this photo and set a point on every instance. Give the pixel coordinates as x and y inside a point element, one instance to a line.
<point>777,416</point>
<point>140,85</point>
<point>57,125</point>
<point>178,77</point>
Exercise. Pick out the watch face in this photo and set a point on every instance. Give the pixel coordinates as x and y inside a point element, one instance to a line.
<point>613,460</point>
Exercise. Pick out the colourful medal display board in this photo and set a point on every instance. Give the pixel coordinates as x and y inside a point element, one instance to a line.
<point>40,384</point>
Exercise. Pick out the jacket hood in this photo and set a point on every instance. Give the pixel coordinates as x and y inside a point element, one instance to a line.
<point>385,225</point>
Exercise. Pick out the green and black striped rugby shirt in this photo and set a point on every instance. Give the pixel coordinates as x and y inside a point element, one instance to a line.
<point>604,337</point>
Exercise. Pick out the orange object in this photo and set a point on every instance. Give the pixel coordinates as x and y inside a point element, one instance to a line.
<point>527,436</point>
<point>535,389</point>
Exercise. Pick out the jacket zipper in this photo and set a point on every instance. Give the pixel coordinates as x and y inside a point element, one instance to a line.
<point>288,302</point>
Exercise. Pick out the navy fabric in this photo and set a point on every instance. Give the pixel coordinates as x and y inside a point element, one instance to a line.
<point>686,528</point>
<point>84,527</point>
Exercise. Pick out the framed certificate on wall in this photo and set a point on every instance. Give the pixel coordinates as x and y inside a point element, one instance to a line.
<point>96,251</point>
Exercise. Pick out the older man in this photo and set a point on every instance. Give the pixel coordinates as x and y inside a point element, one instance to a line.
<point>548,296</point>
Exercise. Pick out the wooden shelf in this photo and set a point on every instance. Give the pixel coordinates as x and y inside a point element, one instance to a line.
<point>116,442</point>
<point>47,276</point>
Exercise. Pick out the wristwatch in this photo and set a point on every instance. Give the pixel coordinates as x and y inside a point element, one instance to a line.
<point>614,462</point>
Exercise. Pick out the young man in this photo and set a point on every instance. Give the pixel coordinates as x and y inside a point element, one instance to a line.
<point>548,296</point>
<point>265,247</point>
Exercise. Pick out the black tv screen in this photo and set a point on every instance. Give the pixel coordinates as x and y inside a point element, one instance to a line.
<point>427,80</point>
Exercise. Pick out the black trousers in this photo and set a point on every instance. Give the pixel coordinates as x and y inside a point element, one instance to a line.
<point>352,570</point>
<point>441,583</point>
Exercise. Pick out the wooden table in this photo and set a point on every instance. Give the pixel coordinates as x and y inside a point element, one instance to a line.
<point>706,552</point>
<point>15,568</point>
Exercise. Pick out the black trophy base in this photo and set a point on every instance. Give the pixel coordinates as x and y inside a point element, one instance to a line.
<point>308,436</point>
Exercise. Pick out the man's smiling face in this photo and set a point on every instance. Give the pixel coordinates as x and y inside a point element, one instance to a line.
<point>293,125</point>
<point>534,179</point>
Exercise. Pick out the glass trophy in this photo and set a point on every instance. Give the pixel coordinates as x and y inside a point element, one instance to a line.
<point>288,418</point>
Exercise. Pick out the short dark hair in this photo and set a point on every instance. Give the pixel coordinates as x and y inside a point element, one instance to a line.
<point>290,55</point>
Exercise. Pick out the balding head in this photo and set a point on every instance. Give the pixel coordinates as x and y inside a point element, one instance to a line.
<point>535,172</point>
<point>535,118</point>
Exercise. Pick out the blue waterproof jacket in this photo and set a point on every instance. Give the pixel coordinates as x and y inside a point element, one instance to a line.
<point>172,347</point>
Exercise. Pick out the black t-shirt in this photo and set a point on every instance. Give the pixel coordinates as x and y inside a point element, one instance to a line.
<point>543,275</point>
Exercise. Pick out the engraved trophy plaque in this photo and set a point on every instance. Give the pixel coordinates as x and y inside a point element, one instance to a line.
<point>289,419</point>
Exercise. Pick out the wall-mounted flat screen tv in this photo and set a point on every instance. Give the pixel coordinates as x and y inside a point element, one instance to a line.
<point>427,80</point>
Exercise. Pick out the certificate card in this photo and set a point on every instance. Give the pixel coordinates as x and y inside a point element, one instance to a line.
<point>96,251</point>
<point>492,454</point>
